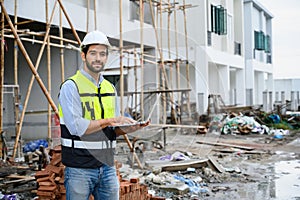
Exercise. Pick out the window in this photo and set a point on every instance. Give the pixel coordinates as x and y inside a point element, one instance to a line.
<point>267,44</point>
<point>115,80</point>
<point>135,11</point>
<point>218,20</point>
<point>259,39</point>
<point>262,41</point>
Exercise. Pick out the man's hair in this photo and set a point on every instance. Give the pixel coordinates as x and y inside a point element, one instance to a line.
<point>85,49</point>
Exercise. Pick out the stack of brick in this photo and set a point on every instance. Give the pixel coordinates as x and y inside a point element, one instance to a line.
<point>51,179</point>
<point>132,189</point>
<point>51,182</point>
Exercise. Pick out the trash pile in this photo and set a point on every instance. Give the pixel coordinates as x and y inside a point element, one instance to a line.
<point>253,123</point>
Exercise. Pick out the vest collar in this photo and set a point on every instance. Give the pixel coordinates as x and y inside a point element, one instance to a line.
<point>91,78</point>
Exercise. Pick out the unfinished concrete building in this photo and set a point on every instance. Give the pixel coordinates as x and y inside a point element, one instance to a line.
<point>180,52</point>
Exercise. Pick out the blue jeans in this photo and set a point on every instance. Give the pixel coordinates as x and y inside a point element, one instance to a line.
<point>101,182</point>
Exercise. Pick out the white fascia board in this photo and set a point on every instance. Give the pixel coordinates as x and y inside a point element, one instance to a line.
<point>263,67</point>
<point>224,58</point>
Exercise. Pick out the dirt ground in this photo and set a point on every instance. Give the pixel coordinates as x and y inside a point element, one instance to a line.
<point>248,167</point>
<point>255,166</point>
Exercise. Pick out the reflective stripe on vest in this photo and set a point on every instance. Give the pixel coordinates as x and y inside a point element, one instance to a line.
<point>89,144</point>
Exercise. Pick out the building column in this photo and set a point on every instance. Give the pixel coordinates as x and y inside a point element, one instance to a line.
<point>259,87</point>
<point>201,77</point>
<point>249,79</point>
<point>224,84</point>
<point>265,101</point>
<point>240,87</point>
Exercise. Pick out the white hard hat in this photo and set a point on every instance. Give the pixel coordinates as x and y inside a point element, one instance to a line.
<point>95,37</point>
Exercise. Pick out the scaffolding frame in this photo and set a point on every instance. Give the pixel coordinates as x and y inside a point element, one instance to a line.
<point>167,90</point>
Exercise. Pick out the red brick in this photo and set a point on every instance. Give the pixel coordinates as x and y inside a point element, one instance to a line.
<point>47,188</point>
<point>134,180</point>
<point>45,183</point>
<point>42,173</point>
<point>56,170</point>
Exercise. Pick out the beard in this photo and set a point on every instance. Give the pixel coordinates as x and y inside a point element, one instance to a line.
<point>97,69</point>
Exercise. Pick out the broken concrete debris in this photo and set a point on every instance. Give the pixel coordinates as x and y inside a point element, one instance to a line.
<point>171,172</point>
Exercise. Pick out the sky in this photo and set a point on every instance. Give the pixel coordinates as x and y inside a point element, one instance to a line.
<point>286,36</point>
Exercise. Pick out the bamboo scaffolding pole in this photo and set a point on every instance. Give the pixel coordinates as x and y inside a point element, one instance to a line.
<point>145,60</point>
<point>87,15</point>
<point>41,42</point>
<point>121,58</point>
<point>21,23</point>
<point>1,78</point>
<point>48,69</point>
<point>15,44</point>
<point>18,31</point>
<point>135,79</point>
<point>162,69</point>
<point>62,56</point>
<point>69,21</point>
<point>31,33</point>
<point>177,61</point>
<point>187,58</point>
<point>158,61</point>
<point>175,126</point>
<point>16,99</point>
<point>34,71</point>
<point>169,36</point>
<point>142,56</point>
<point>95,14</point>
<point>158,90</point>
<point>166,9</point>
<point>63,39</point>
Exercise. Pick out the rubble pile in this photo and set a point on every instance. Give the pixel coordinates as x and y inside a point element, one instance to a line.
<point>51,179</point>
<point>51,182</point>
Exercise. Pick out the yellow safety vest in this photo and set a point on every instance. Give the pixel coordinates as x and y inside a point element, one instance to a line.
<point>91,150</point>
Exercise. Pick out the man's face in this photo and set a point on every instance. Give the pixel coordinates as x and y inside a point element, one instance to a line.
<point>95,58</point>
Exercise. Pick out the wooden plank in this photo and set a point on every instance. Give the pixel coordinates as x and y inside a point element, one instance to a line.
<point>225,144</point>
<point>14,176</point>
<point>177,165</point>
<point>215,164</point>
<point>24,180</point>
<point>238,150</point>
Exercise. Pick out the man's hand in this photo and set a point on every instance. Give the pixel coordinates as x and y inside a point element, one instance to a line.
<point>130,128</point>
<point>122,120</point>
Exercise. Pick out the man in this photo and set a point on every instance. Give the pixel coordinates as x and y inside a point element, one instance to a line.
<point>89,114</point>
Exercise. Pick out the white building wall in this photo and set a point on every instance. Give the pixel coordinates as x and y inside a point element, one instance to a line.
<point>257,18</point>
<point>287,86</point>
